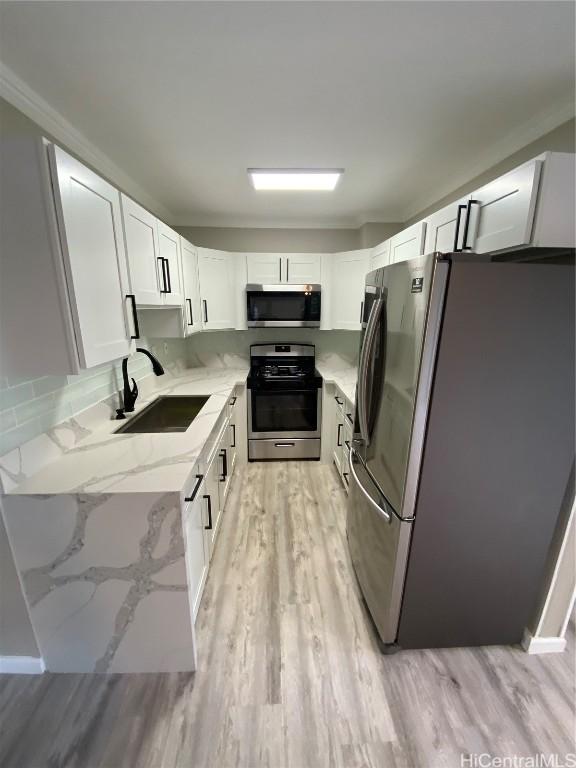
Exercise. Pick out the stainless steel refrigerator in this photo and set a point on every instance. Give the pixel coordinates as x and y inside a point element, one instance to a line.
<point>463,445</point>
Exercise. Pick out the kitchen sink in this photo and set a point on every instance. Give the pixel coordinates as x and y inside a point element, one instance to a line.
<point>169,413</point>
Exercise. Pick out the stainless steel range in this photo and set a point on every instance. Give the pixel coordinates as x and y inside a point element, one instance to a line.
<point>284,402</point>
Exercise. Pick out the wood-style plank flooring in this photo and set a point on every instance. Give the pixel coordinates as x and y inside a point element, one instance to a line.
<point>290,675</point>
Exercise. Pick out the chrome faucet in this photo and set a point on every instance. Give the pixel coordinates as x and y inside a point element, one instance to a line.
<point>131,393</point>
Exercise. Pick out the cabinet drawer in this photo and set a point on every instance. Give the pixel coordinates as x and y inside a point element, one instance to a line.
<point>299,448</point>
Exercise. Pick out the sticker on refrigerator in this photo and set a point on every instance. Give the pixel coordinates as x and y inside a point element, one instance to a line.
<point>417,284</point>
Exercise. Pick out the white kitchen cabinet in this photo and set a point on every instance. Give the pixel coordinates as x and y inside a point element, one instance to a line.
<point>169,266</point>
<point>408,244</point>
<point>346,443</point>
<point>142,249</point>
<point>216,273</point>
<point>348,279</point>
<point>212,508</point>
<point>502,212</point>
<point>90,226</point>
<point>303,268</point>
<point>380,256</point>
<point>273,268</point>
<point>191,288</point>
<point>197,556</point>
<point>441,227</point>
<point>338,437</point>
<point>265,268</point>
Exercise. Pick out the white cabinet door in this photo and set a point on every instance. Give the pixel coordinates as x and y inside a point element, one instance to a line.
<point>215,270</point>
<point>141,237</point>
<point>503,210</point>
<point>197,558</point>
<point>301,268</point>
<point>348,278</point>
<point>169,242</point>
<point>380,256</point>
<point>90,222</point>
<point>441,227</point>
<point>264,268</point>
<point>408,244</point>
<point>191,288</point>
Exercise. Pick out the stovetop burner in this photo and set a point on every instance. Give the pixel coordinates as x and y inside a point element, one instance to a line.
<point>283,366</point>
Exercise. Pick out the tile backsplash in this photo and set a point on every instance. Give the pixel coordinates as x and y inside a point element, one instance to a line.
<point>29,407</point>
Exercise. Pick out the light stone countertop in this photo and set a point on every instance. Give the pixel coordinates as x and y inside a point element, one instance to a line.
<point>102,462</point>
<point>343,377</point>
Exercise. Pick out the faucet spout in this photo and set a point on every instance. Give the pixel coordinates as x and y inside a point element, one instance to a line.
<point>130,393</point>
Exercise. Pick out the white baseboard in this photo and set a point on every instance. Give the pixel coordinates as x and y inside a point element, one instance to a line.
<point>21,665</point>
<point>535,645</point>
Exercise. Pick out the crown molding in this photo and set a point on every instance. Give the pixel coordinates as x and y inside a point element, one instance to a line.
<point>20,95</point>
<point>530,131</point>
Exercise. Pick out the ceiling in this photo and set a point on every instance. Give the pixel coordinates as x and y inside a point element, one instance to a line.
<point>411,98</point>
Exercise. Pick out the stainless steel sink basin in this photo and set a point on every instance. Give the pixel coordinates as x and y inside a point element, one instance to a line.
<point>169,413</point>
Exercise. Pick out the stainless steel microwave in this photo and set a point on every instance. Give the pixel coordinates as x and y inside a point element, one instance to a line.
<point>283,306</point>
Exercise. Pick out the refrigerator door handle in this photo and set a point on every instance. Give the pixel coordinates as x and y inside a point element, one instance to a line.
<point>365,355</point>
<point>377,507</point>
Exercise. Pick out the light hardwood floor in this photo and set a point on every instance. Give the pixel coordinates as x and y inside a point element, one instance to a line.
<point>290,675</point>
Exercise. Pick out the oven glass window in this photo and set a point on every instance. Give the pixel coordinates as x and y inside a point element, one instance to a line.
<point>287,411</point>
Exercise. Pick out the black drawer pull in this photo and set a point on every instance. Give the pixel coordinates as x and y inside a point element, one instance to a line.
<point>132,298</point>
<point>340,402</point>
<point>191,318</point>
<point>347,444</point>
<point>192,496</point>
<point>233,426</point>
<point>339,438</point>
<point>224,455</point>
<point>345,476</point>
<point>350,418</point>
<point>209,500</point>
<point>233,400</point>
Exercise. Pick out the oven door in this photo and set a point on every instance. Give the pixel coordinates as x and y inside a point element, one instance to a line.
<point>281,413</point>
<point>283,306</point>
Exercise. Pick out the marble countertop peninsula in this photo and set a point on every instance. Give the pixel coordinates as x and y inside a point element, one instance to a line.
<point>89,458</point>
<point>344,377</point>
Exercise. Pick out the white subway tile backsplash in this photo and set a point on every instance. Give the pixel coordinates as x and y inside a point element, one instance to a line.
<point>16,395</point>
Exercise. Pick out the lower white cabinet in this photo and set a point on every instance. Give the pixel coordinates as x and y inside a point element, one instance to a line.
<point>348,280</point>
<point>191,288</point>
<point>217,278</point>
<point>408,244</point>
<point>197,555</point>
<point>338,436</point>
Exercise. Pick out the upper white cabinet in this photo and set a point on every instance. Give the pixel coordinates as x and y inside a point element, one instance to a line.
<point>348,278</point>
<point>380,256</point>
<point>217,278</point>
<point>169,266</point>
<point>295,268</point>
<point>408,244</point>
<point>141,237</point>
<point>191,288</point>
<point>265,268</point>
<point>303,268</point>
<point>443,225</point>
<point>502,212</point>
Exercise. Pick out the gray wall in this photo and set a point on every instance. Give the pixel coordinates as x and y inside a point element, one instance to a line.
<point>561,139</point>
<point>250,240</point>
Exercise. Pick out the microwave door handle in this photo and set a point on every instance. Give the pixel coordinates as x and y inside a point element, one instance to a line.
<point>365,354</point>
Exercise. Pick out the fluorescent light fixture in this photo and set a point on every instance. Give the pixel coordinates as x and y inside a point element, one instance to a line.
<point>295,179</point>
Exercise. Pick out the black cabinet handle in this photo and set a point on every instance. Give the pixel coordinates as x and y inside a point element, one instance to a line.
<point>169,289</point>
<point>280,269</point>
<point>233,400</point>
<point>339,437</point>
<point>347,444</point>
<point>224,455</point>
<point>361,312</point>
<point>164,288</point>
<point>460,209</point>
<point>192,496</point>
<point>287,268</point>
<point>132,298</point>
<point>465,246</point>
<point>191,319</point>
<point>233,426</point>
<point>340,402</point>
<point>205,303</point>
<point>350,418</point>
<point>209,500</point>
<point>345,476</point>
